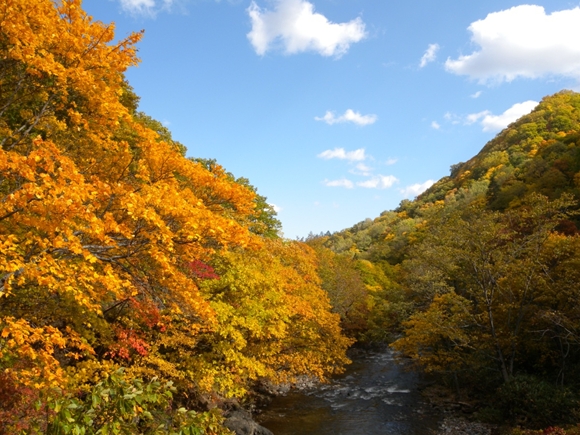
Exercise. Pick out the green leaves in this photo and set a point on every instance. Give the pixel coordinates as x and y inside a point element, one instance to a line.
<point>483,278</point>
<point>118,405</point>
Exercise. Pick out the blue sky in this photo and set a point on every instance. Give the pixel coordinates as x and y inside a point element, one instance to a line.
<point>336,110</point>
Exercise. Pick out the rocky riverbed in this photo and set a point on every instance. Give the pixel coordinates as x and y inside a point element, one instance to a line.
<point>376,395</point>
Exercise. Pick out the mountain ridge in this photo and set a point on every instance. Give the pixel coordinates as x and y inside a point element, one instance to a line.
<point>538,152</point>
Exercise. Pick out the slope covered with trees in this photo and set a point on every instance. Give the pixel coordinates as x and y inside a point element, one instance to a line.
<point>488,259</point>
<point>138,287</point>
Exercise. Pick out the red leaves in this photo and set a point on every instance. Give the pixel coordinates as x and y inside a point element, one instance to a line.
<point>17,410</point>
<point>128,344</point>
<point>202,270</point>
<point>148,313</point>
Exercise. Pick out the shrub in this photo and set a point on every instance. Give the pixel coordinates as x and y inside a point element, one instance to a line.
<point>536,403</point>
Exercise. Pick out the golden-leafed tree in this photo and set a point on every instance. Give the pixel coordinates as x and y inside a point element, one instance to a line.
<point>488,280</point>
<point>107,232</point>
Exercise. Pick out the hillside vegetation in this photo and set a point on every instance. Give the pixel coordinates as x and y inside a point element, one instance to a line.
<point>142,290</point>
<point>487,263</point>
<point>138,288</point>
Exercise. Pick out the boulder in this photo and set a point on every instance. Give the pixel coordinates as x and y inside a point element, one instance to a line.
<point>241,422</point>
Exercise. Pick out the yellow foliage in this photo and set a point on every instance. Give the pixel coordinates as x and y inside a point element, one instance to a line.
<point>274,319</point>
<point>101,221</point>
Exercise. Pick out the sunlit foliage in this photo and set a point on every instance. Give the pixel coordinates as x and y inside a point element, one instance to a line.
<point>129,273</point>
<point>488,260</point>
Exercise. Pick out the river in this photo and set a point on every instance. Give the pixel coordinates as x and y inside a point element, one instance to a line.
<point>376,395</point>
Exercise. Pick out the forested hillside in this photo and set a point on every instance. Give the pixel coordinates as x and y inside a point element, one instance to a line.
<point>487,263</point>
<point>141,290</point>
<point>138,288</point>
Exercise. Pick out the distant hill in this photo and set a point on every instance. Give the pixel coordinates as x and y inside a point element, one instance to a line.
<point>485,270</point>
<point>539,153</point>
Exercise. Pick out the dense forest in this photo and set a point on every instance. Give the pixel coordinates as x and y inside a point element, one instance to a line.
<point>487,266</point>
<point>142,290</point>
<point>139,288</point>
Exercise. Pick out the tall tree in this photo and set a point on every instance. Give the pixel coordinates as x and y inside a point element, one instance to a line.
<point>495,269</point>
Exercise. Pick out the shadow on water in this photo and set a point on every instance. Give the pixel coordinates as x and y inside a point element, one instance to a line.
<point>376,395</point>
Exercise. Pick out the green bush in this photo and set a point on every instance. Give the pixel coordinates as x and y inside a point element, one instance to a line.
<point>535,403</point>
<point>117,406</point>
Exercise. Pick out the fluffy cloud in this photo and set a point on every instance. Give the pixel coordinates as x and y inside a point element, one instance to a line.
<point>435,125</point>
<point>343,182</point>
<point>379,182</point>
<point>340,153</point>
<point>362,169</point>
<point>495,123</point>
<point>522,41</point>
<point>297,28</point>
<point>430,55</point>
<point>416,189</point>
<point>476,95</point>
<point>138,6</point>
<point>390,162</point>
<point>276,208</point>
<point>452,118</point>
<point>147,7</point>
<point>349,116</point>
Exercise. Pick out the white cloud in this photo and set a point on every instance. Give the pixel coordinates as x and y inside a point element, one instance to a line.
<point>275,208</point>
<point>430,55</point>
<point>343,182</point>
<point>379,182</point>
<point>138,6</point>
<point>297,27</point>
<point>390,162</point>
<point>522,41</point>
<point>435,125</point>
<point>416,189</point>
<point>491,122</point>
<point>145,7</point>
<point>452,118</point>
<point>362,169</point>
<point>349,116</point>
<point>476,95</point>
<point>474,117</point>
<point>340,153</point>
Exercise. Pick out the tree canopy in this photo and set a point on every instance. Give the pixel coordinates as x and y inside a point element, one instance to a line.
<point>136,285</point>
<point>487,260</point>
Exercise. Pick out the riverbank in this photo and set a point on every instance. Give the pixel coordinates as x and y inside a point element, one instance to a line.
<point>456,413</point>
<point>453,425</point>
<point>376,395</point>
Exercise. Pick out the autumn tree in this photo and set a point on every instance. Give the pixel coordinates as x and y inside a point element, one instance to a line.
<point>108,235</point>
<point>486,275</point>
<point>275,320</point>
<point>343,283</point>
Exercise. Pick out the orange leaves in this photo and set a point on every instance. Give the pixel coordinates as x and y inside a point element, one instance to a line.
<point>217,191</point>
<point>107,231</point>
<point>47,217</point>
<point>61,67</point>
<point>29,353</point>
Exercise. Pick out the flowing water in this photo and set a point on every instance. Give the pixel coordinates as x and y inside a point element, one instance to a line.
<point>376,395</point>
